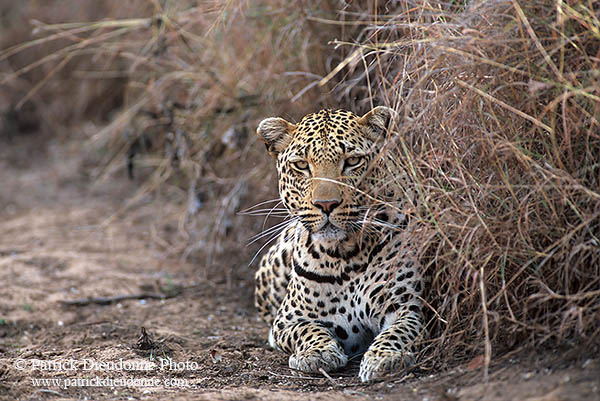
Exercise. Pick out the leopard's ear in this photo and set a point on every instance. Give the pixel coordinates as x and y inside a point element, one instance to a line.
<point>276,133</point>
<point>378,121</point>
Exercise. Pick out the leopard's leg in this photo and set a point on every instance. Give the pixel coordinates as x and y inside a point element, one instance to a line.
<point>272,278</point>
<point>311,345</point>
<point>394,347</point>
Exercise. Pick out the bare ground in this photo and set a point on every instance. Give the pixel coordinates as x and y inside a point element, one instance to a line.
<point>63,238</point>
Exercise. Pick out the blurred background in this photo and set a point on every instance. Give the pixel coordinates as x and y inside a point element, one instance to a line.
<point>154,103</point>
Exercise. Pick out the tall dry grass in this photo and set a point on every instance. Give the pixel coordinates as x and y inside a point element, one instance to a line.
<point>500,131</point>
<point>499,104</point>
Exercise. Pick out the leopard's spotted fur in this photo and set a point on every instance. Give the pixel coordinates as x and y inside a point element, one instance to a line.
<point>343,278</point>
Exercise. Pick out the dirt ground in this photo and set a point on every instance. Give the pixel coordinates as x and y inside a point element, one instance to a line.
<point>63,240</point>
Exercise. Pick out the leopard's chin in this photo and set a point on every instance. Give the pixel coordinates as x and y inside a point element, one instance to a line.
<point>329,233</point>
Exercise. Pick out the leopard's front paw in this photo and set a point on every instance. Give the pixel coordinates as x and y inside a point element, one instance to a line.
<point>329,358</point>
<point>375,364</point>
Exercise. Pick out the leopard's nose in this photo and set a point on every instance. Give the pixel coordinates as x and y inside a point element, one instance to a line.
<point>326,206</point>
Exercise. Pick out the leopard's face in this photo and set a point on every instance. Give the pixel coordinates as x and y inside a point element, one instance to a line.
<point>325,165</point>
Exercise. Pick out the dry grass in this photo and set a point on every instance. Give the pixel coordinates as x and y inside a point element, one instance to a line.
<point>499,101</point>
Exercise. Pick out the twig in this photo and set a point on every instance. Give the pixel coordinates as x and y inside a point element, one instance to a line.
<point>293,377</point>
<point>486,329</point>
<point>335,384</point>
<point>116,298</point>
<point>505,105</point>
<point>145,341</point>
<point>48,391</point>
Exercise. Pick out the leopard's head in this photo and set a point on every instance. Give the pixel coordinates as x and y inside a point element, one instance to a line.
<point>325,165</point>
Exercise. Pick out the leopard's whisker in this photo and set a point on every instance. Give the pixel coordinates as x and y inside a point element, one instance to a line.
<point>365,229</point>
<point>268,212</point>
<point>266,233</point>
<point>273,237</point>
<point>247,210</point>
<point>263,247</point>
<point>287,213</point>
<point>380,223</point>
<point>273,227</point>
<point>276,228</point>
<point>265,210</point>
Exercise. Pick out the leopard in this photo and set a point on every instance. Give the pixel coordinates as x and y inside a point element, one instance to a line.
<point>343,279</point>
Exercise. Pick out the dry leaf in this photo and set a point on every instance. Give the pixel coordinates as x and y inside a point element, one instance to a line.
<point>216,356</point>
<point>476,362</point>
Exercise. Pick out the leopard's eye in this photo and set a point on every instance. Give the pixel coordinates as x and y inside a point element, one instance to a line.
<point>353,161</point>
<point>300,165</point>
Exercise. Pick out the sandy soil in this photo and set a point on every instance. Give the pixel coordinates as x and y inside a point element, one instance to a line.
<point>63,239</point>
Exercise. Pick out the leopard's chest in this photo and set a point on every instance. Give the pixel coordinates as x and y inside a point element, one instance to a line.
<point>346,295</point>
